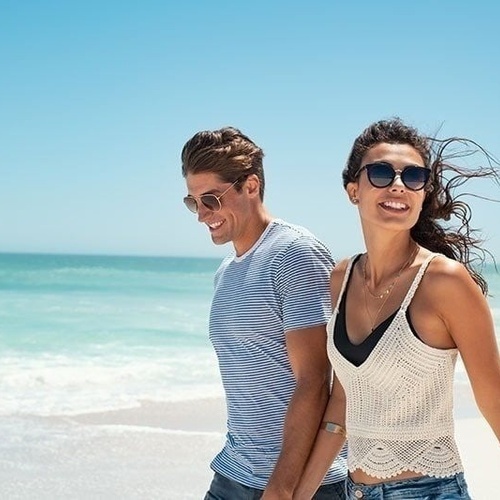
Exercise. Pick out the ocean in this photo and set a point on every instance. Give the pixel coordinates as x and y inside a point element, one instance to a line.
<point>85,333</point>
<point>82,334</point>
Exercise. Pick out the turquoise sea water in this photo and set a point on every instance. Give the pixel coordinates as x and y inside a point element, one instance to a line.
<point>90,333</point>
<point>87,333</point>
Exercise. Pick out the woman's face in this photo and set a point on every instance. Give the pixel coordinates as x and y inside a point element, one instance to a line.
<point>396,206</point>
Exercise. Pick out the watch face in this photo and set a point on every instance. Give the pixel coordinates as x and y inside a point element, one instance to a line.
<point>330,427</point>
<point>333,428</point>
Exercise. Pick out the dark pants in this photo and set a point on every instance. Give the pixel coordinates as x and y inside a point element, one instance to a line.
<point>223,488</point>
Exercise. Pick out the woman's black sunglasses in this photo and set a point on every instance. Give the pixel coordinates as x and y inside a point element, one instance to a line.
<point>381,174</point>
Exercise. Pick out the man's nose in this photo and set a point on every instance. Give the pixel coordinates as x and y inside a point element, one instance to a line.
<point>203,212</point>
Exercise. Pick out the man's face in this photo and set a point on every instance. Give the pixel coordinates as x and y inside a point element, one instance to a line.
<point>228,223</point>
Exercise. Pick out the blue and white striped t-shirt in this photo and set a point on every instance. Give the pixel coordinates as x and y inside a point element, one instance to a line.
<point>280,284</point>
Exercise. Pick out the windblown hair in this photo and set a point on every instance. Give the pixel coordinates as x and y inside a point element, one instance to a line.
<point>458,242</point>
<point>226,152</point>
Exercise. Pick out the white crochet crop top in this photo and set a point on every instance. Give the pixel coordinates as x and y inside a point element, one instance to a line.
<point>399,413</point>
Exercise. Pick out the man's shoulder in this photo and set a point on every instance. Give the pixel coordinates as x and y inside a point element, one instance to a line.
<point>291,245</point>
<point>288,232</point>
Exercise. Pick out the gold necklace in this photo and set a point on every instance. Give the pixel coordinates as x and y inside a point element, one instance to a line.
<point>373,321</point>
<point>387,292</point>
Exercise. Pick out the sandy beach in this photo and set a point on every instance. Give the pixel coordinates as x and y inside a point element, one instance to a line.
<point>163,450</point>
<point>156,451</point>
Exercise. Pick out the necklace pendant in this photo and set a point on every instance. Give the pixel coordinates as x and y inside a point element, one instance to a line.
<point>381,296</point>
<point>387,291</point>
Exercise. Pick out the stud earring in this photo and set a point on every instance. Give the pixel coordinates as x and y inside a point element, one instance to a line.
<point>355,201</point>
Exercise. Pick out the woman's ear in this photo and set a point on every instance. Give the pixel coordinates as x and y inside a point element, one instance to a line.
<point>352,192</point>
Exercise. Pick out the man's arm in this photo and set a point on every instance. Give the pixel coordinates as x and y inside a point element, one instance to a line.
<point>309,361</point>
<point>326,447</point>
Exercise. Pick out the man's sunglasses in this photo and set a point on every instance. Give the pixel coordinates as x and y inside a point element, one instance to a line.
<point>382,174</point>
<point>209,201</point>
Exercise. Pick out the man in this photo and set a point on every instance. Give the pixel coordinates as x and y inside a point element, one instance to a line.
<point>267,324</point>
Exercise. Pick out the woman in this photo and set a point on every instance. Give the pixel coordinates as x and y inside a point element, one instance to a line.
<point>402,313</point>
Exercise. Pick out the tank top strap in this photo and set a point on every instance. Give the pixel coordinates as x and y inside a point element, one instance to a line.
<point>416,281</point>
<point>351,262</point>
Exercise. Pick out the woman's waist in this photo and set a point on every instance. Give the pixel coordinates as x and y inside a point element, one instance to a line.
<point>361,477</point>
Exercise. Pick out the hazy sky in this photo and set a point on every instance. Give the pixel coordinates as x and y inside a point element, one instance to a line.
<point>97,99</point>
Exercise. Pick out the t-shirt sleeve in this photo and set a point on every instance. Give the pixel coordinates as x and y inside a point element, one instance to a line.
<point>304,284</point>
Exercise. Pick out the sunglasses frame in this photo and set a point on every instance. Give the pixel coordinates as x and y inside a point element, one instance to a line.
<point>200,198</point>
<point>396,173</point>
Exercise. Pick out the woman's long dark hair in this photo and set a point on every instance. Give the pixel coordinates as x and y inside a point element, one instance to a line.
<point>459,241</point>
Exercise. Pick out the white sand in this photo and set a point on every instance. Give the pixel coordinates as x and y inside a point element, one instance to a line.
<point>162,451</point>
<point>158,451</point>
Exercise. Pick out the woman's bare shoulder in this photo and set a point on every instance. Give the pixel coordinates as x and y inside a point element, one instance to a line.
<point>338,273</point>
<point>446,277</point>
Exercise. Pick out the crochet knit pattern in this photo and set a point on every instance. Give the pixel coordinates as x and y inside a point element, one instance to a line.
<point>399,413</point>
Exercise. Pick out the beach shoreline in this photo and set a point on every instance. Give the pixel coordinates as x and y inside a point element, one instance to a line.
<point>163,450</point>
<point>199,415</point>
<point>155,451</point>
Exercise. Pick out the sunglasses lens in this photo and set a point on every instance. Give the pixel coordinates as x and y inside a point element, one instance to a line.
<point>380,174</point>
<point>415,178</point>
<point>191,204</point>
<point>211,202</point>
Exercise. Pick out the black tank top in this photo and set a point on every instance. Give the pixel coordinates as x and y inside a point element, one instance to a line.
<point>357,354</point>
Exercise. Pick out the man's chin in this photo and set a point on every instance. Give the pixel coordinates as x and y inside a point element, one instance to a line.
<point>219,241</point>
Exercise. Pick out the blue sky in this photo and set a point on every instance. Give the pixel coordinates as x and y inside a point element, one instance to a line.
<point>98,97</point>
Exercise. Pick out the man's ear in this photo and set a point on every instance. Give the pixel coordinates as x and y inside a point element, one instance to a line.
<point>252,185</point>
